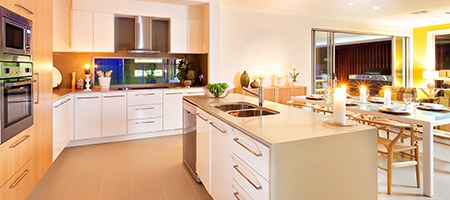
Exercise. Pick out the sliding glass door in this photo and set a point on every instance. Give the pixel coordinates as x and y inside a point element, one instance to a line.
<point>358,59</point>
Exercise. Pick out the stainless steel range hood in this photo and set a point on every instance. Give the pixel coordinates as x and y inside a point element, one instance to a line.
<point>143,36</point>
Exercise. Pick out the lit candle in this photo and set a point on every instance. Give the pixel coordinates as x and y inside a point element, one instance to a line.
<point>387,96</point>
<point>344,87</point>
<point>339,99</point>
<point>87,69</point>
<point>363,94</point>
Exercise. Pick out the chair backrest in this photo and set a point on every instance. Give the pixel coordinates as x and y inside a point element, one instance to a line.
<point>397,92</point>
<point>323,111</point>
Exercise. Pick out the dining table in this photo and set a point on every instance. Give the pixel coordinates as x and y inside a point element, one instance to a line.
<point>427,119</point>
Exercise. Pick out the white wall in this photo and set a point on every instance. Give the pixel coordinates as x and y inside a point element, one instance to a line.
<point>250,39</point>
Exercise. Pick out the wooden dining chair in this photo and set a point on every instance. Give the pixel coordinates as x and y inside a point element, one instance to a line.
<point>327,111</point>
<point>391,146</point>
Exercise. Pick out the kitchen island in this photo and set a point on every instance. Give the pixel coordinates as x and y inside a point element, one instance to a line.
<point>289,155</point>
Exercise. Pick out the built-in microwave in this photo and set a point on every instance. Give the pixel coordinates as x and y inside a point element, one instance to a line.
<point>16,37</point>
<point>16,98</point>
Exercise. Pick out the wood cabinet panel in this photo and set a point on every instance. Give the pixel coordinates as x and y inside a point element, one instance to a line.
<point>14,153</point>
<point>19,185</point>
<point>277,94</point>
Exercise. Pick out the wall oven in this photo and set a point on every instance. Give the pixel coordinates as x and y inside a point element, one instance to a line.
<point>16,97</point>
<point>15,37</point>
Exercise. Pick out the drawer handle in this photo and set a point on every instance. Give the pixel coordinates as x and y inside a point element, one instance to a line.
<point>196,92</point>
<point>203,118</point>
<point>146,122</point>
<point>146,94</point>
<point>113,96</point>
<point>242,174</point>
<point>67,100</point>
<point>248,149</point>
<point>236,195</point>
<point>174,93</point>
<point>20,178</point>
<point>149,108</point>
<point>87,97</point>
<point>14,145</point>
<point>212,124</point>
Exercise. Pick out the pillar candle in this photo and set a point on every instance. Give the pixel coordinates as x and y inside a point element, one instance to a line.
<point>387,96</point>
<point>339,99</point>
<point>363,94</point>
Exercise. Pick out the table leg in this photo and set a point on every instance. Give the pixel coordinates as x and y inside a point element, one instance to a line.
<point>428,161</point>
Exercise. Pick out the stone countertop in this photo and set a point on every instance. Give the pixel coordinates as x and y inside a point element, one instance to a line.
<point>292,124</point>
<point>59,93</point>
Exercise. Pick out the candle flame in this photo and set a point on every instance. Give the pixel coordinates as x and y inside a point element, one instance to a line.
<point>363,88</point>
<point>87,66</point>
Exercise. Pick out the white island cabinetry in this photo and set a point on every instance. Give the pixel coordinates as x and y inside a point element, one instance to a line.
<point>203,148</point>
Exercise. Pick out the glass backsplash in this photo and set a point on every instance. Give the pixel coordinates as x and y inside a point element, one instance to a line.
<point>133,71</point>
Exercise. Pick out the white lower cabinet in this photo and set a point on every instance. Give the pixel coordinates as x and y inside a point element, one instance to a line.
<point>144,125</point>
<point>62,124</point>
<point>88,113</point>
<point>173,109</point>
<point>203,148</point>
<point>252,183</point>
<point>114,113</point>
<point>144,111</point>
<point>221,163</point>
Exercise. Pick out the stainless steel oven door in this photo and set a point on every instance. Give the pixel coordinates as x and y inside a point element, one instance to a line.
<point>17,106</point>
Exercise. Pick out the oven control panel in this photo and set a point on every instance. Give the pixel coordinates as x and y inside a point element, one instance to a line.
<point>13,69</point>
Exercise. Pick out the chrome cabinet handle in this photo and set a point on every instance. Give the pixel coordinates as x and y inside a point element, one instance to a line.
<point>203,118</point>
<point>23,7</point>
<point>246,178</point>
<point>15,144</point>
<point>174,93</point>
<point>37,83</point>
<point>146,122</point>
<point>246,148</point>
<point>62,103</point>
<point>149,108</point>
<point>114,96</point>
<point>212,124</point>
<point>147,94</point>
<point>87,97</point>
<point>236,195</point>
<point>19,179</point>
<point>19,83</point>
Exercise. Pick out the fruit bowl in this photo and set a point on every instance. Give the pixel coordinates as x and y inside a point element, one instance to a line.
<point>216,90</point>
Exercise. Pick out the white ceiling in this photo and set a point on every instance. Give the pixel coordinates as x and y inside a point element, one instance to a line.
<point>390,12</point>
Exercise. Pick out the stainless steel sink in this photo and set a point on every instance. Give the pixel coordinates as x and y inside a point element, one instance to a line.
<point>235,106</point>
<point>253,112</point>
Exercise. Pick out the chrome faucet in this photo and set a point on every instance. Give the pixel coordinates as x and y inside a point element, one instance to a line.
<point>260,95</point>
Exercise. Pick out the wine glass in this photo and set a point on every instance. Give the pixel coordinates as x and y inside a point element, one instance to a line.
<point>407,97</point>
<point>414,102</point>
<point>329,91</point>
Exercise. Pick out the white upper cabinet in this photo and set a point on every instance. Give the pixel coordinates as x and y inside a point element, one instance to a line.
<point>82,30</point>
<point>185,36</point>
<point>103,32</point>
<point>194,43</point>
<point>178,36</point>
<point>92,31</point>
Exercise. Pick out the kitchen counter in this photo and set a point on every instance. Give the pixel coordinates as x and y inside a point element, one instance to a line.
<point>59,93</point>
<point>291,124</point>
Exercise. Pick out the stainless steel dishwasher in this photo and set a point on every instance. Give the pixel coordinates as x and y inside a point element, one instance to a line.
<point>189,138</point>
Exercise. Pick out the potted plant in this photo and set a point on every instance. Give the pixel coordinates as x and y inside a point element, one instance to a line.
<point>185,74</point>
<point>150,76</point>
<point>294,75</point>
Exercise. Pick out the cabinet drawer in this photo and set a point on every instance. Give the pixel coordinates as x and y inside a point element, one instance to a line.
<point>144,111</point>
<point>239,193</point>
<point>14,153</point>
<point>195,92</point>
<point>19,185</point>
<point>252,183</point>
<point>144,125</point>
<point>255,154</point>
<point>144,97</point>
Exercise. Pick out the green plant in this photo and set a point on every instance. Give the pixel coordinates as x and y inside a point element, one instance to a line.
<point>293,75</point>
<point>182,67</point>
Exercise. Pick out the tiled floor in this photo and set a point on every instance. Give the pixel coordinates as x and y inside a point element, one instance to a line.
<point>139,169</point>
<point>153,169</point>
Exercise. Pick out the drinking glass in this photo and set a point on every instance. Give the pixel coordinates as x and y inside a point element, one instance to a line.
<point>414,102</point>
<point>329,91</point>
<point>407,97</point>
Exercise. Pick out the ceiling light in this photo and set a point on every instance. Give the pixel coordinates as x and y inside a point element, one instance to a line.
<point>350,4</point>
<point>375,7</point>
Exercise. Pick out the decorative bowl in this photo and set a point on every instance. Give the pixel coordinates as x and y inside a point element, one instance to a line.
<point>223,94</point>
